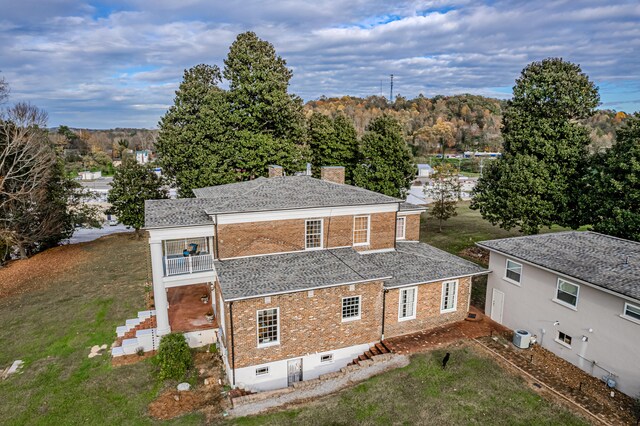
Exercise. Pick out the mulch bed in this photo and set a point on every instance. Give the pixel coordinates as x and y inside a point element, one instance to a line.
<point>568,380</point>
<point>450,333</point>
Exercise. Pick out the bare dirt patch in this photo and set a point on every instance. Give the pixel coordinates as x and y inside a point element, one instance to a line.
<point>476,254</point>
<point>35,273</point>
<point>207,396</point>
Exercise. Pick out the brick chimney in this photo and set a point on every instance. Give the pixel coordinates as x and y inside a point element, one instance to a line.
<point>333,174</point>
<point>275,171</point>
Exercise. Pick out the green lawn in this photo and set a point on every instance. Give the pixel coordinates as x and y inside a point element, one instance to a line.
<point>52,331</point>
<point>464,230</point>
<point>472,390</point>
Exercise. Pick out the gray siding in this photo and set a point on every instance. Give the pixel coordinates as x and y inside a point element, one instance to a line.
<point>614,342</point>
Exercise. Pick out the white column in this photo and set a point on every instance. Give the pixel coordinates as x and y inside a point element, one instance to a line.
<point>159,292</point>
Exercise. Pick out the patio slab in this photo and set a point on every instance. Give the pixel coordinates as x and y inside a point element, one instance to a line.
<point>186,310</point>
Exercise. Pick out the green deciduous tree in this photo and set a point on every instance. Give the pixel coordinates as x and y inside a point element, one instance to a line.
<point>333,142</point>
<point>535,183</point>
<point>612,194</point>
<point>193,142</point>
<point>386,165</point>
<point>132,185</point>
<point>445,191</point>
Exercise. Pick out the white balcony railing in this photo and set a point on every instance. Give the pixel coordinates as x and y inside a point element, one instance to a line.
<point>188,264</point>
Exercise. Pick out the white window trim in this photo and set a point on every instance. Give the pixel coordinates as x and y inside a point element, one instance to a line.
<point>455,297</point>
<point>359,309</point>
<point>266,373</point>
<point>415,304</point>
<point>562,302</point>
<point>404,228</point>
<point>624,313</point>
<point>330,361</point>
<point>506,266</point>
<point>321,234</point>
<point>353,235</point>
<point>266,345</point>
<point>563,343</point>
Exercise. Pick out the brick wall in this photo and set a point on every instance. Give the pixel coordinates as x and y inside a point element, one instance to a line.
<point>412,227</point>
<point>332,174</point>
<point>307,324</point>
<point>249,239</point>
<point>427,309</point>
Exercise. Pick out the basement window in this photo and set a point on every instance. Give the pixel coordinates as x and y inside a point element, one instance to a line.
<point>350,308</point>
<point>326,358</point>
<point>564,339</point>
<point>262,371</point>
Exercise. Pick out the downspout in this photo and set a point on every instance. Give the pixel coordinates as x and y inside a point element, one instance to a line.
<point>215,233</point>
<point>384,305</point>
<point>233,352</point>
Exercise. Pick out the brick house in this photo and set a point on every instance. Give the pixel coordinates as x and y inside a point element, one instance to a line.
<point>302,274</point>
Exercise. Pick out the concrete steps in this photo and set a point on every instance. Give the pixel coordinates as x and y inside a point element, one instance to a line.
<point>137,334</point>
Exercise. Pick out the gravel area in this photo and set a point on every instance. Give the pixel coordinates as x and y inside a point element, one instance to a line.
<point>324,388</point>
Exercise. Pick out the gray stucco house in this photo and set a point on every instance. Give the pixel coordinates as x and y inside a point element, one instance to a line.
<point>578,292</point>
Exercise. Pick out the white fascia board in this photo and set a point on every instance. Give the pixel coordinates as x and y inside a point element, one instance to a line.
<point>189,279</point>
<point>408,212</point>
<point>162,234</point>
<point>561,274</point>
<point>229,218</point>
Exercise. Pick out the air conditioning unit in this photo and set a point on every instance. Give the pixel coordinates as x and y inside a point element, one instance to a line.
<point>522,339</point>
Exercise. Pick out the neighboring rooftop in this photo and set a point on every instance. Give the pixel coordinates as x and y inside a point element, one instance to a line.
<point>411,263</point>
<point>602,260</point>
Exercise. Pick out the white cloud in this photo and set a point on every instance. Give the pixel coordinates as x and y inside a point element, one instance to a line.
<point>89,66</point>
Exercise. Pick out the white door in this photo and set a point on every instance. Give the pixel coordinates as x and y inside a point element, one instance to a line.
<point>497,304</point>
<point>294,368</point>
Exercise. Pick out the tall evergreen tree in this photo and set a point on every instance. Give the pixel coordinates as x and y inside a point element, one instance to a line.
<point>535,183</point>
<point>386,165</point>
<point>258,90</point>
<point>333,142</point>
<point>612,194</point>
<point>194,139</point>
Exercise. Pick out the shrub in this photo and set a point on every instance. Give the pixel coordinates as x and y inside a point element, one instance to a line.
<point>174,357</point>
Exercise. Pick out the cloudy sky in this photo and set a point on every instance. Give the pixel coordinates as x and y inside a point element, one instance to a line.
<point>103,64</point>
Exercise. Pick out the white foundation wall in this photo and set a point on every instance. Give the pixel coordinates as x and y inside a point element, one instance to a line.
<point>312,368</point>
<point>197,339</point>
<point>612,341</point>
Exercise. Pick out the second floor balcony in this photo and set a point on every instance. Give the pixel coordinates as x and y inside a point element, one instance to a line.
<point>188,256</point>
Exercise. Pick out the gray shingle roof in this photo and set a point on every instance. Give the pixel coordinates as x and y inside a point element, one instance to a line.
<point>287,192</point>
<point>412,263</point>
<point>601,260</point>
<point>182,212</point>
<point>408,206</point>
